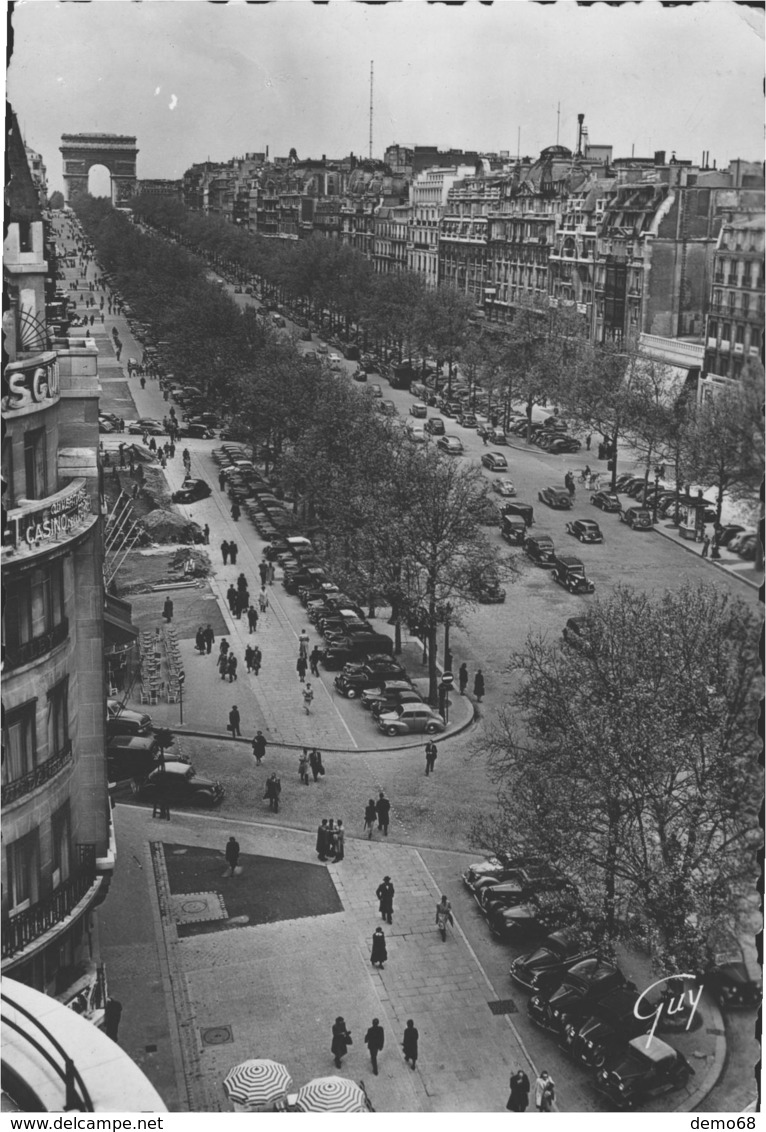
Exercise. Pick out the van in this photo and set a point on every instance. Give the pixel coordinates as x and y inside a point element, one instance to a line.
<point>350,650</point>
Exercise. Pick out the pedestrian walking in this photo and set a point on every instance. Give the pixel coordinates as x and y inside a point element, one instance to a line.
<point>112,1016</point>
<point>588,439</point>
<point>379,952</point>
<point>323,840</point>
<point>462,677</point>
<point>263,570</point>
<point>235,511</point>
<point>315,761</point>
<point>231,598</point>
<point>705,546</point>
<point>478,685</point>
<point>225,551</point>
<point>569,483</point>
<point>272,573</point>
<point>410,1044</point>
<point>205,532</point>
<point>341,1040</point>
<point>544,1091</point>
<point>303,643</point>
<point>430,756</point>
<point>232,854</point>
<point>314,659</point>
<point>233,552</point>
<point>370,817</point>
<point>199,641</point>
<point>340,841</point>
<point>300,667</point>
<point>303,766</point>
<point>243,603</point>
<point>257,659</point>
<point>518,1098</point>
<point>374,1039</point>
<point>242,583</point>
<point>259,747</point>
<point>143,380</point>
<point>263,600</point>
<point>234,723</point>
<point>273,790</point>
<point>308,697</point>
<point>249,658</point>
<point>222,480</point>
<point>209,636</point>
<point>252,618</point>
<point>383,810</point>
<point>385,895</point>
<point>231,668</point>
<point>167,610</point>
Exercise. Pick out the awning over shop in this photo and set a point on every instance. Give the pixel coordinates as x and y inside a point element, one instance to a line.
<point>119,631</point>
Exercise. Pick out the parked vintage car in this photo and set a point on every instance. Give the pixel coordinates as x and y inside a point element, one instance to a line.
<point>191,491</point>
<point>606,501</point>
<point>540,549</point>
<point>389,692</point>
<point>637,517</point>
<point>351,684</point>
<point>523,510</point>
<point>513,529</point>
<point>612,1023</point>
<point>543,968</point>
<point>638,1072</point>
<point>556,497</point>
<point>410,719</point>
<point>577,994</point>
<point>504,487</point>
<point>585,530</point>
<point>494,461</point>
<point>122,721</point>
<point>569,572</point>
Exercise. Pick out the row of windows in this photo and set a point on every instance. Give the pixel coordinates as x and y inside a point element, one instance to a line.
<point>35,467</point>
<point>23,861</point>
<point>33,605</point>
<point>21,752</point>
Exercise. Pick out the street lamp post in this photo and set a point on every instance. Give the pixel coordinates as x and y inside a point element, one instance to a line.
<point>656,490</point>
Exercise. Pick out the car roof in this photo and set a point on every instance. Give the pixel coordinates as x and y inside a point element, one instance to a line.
<point>541,539</point>
<point>655,1050</point>
<point>586,522</point>
<point>177,769</point>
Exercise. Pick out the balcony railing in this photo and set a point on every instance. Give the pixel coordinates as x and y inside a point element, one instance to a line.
<point>76,1096</point>
<point>16,789</point>
<point>37,647</point>
<point>27,926</point>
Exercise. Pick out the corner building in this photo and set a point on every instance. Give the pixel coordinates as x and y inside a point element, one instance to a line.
<point>57,847</point>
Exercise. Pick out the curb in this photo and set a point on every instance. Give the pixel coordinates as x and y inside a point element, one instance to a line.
<point>689,548</point>
<point>333,750</point>
<point>709,1081</point>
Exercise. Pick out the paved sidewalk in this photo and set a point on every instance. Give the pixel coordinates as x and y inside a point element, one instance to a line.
<point>274,989</point>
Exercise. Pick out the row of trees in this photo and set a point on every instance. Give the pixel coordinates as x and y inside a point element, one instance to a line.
<point>635,760</point>
<point>396,524</point>
<point>542,356</point>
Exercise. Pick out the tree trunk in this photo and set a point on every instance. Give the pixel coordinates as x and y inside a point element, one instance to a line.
<point>610,866</point>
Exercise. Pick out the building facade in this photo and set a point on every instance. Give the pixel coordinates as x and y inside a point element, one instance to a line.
<point>58,851</point>
<point>735,324</point>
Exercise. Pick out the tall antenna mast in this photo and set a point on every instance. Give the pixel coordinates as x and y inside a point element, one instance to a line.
<point>372,68</point>
<point>558,122</point>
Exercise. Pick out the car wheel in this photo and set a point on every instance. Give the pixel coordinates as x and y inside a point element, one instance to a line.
<point>351,694</point>
<point>599,1057</point>
<point>431,728</point>
<point>134,786</point>
<point>392,731</point>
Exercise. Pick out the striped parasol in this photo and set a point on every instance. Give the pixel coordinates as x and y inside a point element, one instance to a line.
<point>257,1082</point>
<point>331,1094</point>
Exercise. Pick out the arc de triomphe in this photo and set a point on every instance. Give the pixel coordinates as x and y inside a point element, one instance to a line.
<point>115,151</point>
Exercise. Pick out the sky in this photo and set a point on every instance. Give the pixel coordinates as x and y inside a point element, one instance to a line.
<point>193,80</point>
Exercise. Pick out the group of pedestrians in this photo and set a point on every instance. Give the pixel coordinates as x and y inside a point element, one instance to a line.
<point>331,838</point>
<point>374,1039</point>
<point>518,1098</point>
<point>229,550</point>
<point>310,762</point>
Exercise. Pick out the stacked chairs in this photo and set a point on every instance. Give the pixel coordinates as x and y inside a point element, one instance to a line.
<point>150,667</point>
<point>175,665</point>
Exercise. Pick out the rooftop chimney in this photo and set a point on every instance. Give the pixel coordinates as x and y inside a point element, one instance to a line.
<point>580,120</point>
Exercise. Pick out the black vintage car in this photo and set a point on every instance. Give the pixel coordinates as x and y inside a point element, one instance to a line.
<point>181,786</point>
<point>612,1023</point>
<point>352,684</point>
<point>540,549</point>
<point>640,1071</point>
<point>544,968</point>
<point>606,501</point>
<point>513,529</point>
<point>585,530</point>
<point>191,491</point>
<point>569,572</point>
<point>524,510</point>
<point>735,978</point>
<point>582,987</point>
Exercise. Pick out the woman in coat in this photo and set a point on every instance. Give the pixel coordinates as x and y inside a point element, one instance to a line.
<point>341,1040</point>
<point>410,1043</point>
<point>370,817</point>
<point>379,954</point>
<point>518,1100</point>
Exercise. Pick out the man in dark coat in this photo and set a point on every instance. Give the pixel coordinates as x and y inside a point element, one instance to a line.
<point>341,1040</point>
<point>379,953</point>
<point>209,636</point>
<point>385,895</point>
<point>233,552</point>
<point>234,722</point>
<point>232,853</point>
<point>478,686</point>
<point>231,598</point>
<point>374,1039</point>
<point>410,1043</point>
<point>300,667</point>
<point>323,840</point>
<point>518,1100</point>
<point>259,747</point>
<point>167,610</point>
<point>273,790</point>
<point>430,756</point>
<point>462,677</point>
<point>383,810</point>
